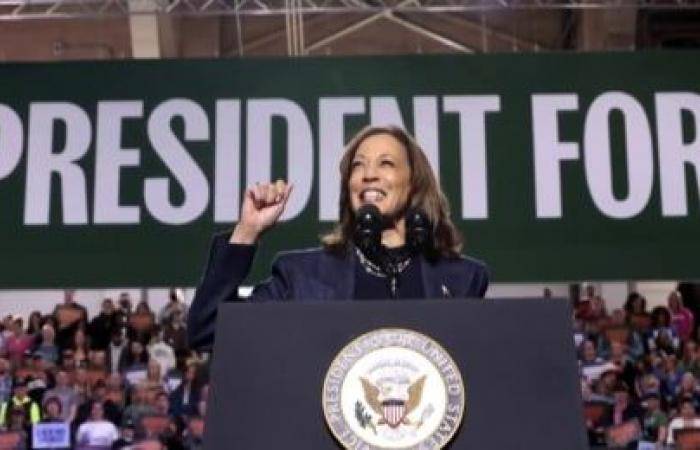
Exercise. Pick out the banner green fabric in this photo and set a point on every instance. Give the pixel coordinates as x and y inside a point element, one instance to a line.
<point>558,167</point>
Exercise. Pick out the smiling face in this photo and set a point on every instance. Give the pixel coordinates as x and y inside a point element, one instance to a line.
<point>380,175</point>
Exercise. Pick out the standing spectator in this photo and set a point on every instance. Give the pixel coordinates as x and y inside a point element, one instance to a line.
<point>162,353</point>
<point>96,432</point>
<point>176,303</point>
<point>134,362</point>
<point>47,348</point>
<point>175,335</point>
<point>112,411</point>
<point>662,337</point>
<point>20,399</point>
<point>5,381</point>
<point>80,347</point>
<point>655,420</point>
<point>17,423</point>
<point>66,394</point>
<point>687,389</point>
<point>117,343</point>
<point>139,406</point>
<point>141,323</point>
<point>154,378</point>
<point>185,398</point>
<point>690,361</point>
<point>127,436</point>
<point>682,319</point>
<point>19,342</point>
<point>52,410</point>
<point>103,326</point>
<point>686,419</point>
<point>34,325</point>
<point>67,328</point>
<point>53,414</point>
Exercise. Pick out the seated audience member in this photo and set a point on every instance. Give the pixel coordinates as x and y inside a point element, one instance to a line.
<point>66,395</point>
<point>20,400</point>
<point>682,319</point>
<point>103,326</point>
<point>690,362</point>
<point>686,418</point>
<point>96,432</point>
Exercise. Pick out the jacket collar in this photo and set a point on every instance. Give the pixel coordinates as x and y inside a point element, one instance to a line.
<point>338,275</point>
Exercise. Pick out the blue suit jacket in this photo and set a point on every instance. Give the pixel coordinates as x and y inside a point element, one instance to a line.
<point>309,275</point>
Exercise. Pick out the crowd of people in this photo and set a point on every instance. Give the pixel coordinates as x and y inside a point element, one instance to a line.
<point>126,377</point>
<point>639,373</point>
<point>122,379</point>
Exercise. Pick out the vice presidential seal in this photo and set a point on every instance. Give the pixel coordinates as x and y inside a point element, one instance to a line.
<point>393,389</point>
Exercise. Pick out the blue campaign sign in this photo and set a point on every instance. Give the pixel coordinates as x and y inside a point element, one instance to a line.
<point>51,435</point>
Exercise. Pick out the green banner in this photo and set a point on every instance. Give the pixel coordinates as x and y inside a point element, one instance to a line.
<point>558,167</point>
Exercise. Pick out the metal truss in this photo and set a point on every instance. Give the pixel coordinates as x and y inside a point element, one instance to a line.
<point>295,10</point>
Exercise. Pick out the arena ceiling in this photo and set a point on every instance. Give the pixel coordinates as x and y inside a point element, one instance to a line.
<point>117,29</point>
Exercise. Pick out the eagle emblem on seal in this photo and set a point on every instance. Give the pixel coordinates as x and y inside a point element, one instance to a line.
<point>392,405</point>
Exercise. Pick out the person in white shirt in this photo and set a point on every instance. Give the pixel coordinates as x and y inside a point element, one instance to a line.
<point>686,419</point>
<point>96,432</point>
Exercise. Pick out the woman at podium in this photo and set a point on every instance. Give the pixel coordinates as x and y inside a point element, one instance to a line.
<point>394,239</point>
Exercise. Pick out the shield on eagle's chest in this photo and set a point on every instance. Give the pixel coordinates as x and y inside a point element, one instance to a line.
<point>394,411</point>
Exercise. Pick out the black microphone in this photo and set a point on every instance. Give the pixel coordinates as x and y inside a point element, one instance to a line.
<point>419,230</point>
<point>368,229</point>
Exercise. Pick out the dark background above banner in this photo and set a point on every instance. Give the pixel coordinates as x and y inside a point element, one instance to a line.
<point>581,167</point>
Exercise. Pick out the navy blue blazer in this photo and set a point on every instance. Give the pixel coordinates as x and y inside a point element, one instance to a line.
<point>309,275</point>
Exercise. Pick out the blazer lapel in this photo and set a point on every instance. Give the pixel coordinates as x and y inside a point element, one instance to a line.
<point>436,281</point>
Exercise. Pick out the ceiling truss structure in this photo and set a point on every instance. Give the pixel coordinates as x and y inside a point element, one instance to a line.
<point>296,9</point>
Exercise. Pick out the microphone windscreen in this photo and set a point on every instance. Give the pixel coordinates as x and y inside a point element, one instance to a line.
<point>419,230</point>
<point>368,228</point>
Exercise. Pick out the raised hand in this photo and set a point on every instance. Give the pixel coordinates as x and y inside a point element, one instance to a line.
<point>263,205</point>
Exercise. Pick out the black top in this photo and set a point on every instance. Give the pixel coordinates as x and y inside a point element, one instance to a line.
<point>370,285</point>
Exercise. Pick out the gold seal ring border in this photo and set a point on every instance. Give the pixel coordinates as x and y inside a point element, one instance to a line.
<point>462,397</point>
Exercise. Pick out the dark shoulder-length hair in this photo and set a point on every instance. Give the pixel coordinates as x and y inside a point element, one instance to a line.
<point>425,194</point>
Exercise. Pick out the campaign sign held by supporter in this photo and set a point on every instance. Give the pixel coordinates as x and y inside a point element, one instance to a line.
<point>51,435</point>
